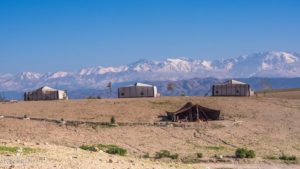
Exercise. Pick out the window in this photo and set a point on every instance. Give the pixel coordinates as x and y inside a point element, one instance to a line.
<point>237,91</point>
<point>122,94</point>
<point>142,94</point>
<point>217,91</point>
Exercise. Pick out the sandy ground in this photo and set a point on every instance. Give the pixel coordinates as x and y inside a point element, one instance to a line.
<point>282,94</point>
<point>53,156</point>
<point>270,126</point>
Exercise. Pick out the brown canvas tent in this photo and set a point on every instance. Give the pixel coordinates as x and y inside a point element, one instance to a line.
<point>194,112</point>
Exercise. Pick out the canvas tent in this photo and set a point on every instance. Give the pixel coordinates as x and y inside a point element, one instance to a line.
<point>194,112</point>
<point>45,93</point>
<point>137,90</point>
<point>232,88</point>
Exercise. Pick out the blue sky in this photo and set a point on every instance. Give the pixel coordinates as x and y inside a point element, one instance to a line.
<point>52,35</point>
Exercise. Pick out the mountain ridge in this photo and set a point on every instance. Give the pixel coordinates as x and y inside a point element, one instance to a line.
<point>262,64</point>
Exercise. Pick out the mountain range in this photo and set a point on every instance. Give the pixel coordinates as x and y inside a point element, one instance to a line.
<point>264,64</point>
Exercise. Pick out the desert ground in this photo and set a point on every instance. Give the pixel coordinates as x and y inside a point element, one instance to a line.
<point>268,125</point>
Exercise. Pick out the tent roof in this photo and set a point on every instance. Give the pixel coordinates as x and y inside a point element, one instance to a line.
<point>141,84</point>
<point>45,88</point>
<point>231,81</point>
<point>188,106</point>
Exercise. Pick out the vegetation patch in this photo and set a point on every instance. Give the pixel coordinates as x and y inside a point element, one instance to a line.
<point>146,155</point>
<point>199,155</point>
<point>271,157</point>
<point>160,102</point>
<point>12,150</point>
<point>288,158</point>
<point>166,154</point>
<point>244,153</point>
<point>215,148</point>
<point>113,120</point>
<point>217,126</point>
<point>110,149</point>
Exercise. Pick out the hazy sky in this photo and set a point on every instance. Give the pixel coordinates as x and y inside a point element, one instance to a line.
<point>52,35</point>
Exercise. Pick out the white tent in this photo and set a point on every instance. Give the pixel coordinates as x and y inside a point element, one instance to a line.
<point>232,88</point>
<point>45,93</point>
<point>137,90</point>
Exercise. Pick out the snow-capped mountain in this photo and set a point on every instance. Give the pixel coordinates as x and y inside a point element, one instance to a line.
<point>265,64</point>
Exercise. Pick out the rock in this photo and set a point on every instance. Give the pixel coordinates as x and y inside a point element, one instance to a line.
<point>110,161</point>
<point>95,149</point>
<point>12,166</point>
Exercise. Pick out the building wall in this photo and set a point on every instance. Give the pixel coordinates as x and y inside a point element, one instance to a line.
<point>136,91</point>
<point>62,95</point>
<point>46,95</point>
<point>231,90</point>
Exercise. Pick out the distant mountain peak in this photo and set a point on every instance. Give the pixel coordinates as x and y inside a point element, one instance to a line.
<point>261,64</point>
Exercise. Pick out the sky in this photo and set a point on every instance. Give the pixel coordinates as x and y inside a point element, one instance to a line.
<point>66,35</point>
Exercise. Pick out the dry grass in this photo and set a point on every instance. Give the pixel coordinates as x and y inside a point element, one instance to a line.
<point>266,125</point>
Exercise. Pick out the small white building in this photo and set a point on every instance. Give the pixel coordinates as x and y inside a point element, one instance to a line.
<point>138,90</point>
<point>45,93</point>
<point>232,88</point>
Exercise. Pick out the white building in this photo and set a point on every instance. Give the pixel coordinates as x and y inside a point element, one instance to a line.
<point>45,93</point>
<point>138,90</point>
<point>232,88</point>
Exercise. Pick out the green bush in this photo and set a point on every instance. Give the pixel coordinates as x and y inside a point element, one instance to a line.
<point>110,149</point>
<point>113,120</point>
<point>23,150</point>
<point>271,157</point>
<point>199,155</point>
<point>244,153</point>
<point>174,156</point>
<point>146,155</point>
<point>250,154</point>
<point>288,158</point>
<point>240,153</point>
<point>166,154</point>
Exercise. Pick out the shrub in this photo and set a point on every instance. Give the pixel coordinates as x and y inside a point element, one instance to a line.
<point>174,156</point>
<point>240,153</point>
<point>166,154</point>
<point>146,155</point>
<point>288,158</point>
<point>113,149</point>
<point>244,153</point>
<point>163,153</point>
<point>215,148</point>
<point>271,157</point>
<point>250,154</point>
<point>23,150</point>
<point>110,149</point>
<point>87,147</point>
<point>199,155</point>
<point>112,120</point>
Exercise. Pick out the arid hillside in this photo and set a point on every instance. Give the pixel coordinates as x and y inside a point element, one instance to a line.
<point>269,126</point>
